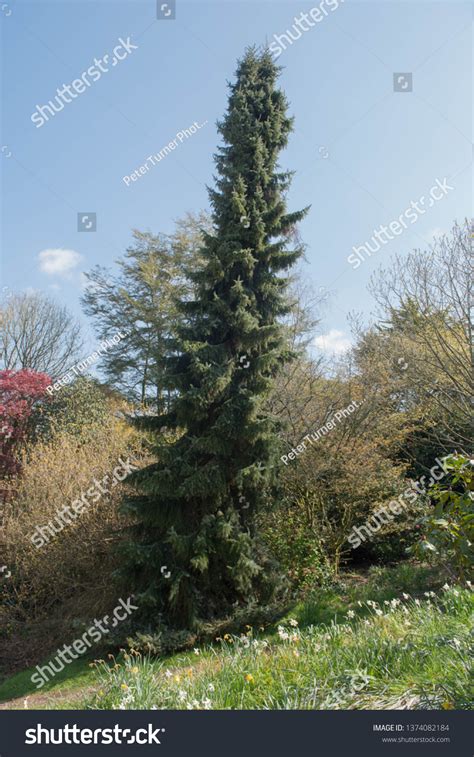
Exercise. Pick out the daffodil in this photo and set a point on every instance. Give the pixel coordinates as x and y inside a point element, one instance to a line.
<point>249,678</point>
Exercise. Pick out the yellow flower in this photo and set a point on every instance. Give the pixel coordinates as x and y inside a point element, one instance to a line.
<point>190,672</point>
<point>124,686</point>
<point>249,678</point>
<point>101,693</point>
<point>135,670</point>
<point>447,706</point>
<point>227,636</point>
<point>177,678</point>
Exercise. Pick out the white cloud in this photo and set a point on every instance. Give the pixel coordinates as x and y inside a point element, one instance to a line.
<point>58,262</point>
<point>333,342</point>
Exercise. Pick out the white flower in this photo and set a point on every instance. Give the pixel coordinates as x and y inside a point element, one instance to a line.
<point>469,584</point>
<point>196,650</point>
<point>284,635</point>
<point>293,622</point>
<point>455,592</point>
<point>207,704</point>
<point>182,695</point>
<point>417,602</point>
<point>211,687</point>
<point>446,587</point>
<point>386,602</point>
<point>153,707</point>
<point>168,673</point>
<point>378,612</point>
<point>405,596</point>
<point>350,614</point>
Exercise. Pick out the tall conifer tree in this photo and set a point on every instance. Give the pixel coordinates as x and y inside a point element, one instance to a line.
<point>193,549</point>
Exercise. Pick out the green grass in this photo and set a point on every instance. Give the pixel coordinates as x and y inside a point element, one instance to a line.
<point>412,654</point>
<point>66,687</point>
<point>378,584</point>
<point>407,654</point>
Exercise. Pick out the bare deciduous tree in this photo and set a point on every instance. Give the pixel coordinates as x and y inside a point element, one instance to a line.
<point>426,296</point>
<point>37,334</point>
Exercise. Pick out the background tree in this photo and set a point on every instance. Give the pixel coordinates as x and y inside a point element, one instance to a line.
<point>141,302</point>
<point>422,346</point>
<point>196,502</point>
<point>37,334</point>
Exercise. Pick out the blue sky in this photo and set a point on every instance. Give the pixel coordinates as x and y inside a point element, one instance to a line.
<point>362,152</point>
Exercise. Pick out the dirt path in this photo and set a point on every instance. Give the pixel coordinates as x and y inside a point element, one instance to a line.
<point>50,701</point>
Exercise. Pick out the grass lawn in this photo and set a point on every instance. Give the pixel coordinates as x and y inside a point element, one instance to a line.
<point>392,638</point>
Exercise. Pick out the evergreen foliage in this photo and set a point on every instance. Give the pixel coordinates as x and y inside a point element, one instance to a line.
<point>194,513</point>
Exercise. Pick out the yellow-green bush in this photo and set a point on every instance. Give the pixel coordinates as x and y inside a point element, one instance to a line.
<point>68,580</point>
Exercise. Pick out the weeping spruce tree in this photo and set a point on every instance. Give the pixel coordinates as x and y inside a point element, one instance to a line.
<point>193,554</point>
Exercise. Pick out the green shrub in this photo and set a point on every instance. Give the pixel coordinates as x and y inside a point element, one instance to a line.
<point>297,547</point>
<point>448,531</point>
